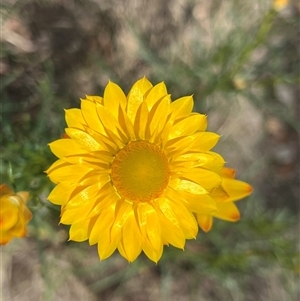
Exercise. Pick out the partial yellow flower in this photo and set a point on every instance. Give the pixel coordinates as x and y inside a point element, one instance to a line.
<point>225,195</point>
<point>280,4</point>
<point>134,170</point>
<point>14,214</point>
<point>239,83</point>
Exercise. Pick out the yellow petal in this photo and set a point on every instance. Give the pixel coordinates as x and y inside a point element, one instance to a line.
<point>202,126</point>
<point>205,221</point>
<point>105,246</point>
<point>198,203</point>
<point>149,224</point>
<point>95,99</point>
<point>5,190</point>
<point>136,97</point>
<point>65,147</point>
<point>56,165</point>
<point>111,123</point>
<point>93,177</point>
<point>150,252</point>
<point>227,211</point>
<point>158,115</point>
<point>9,214</point>
<point>76,215</point>
<point>141,121</point>
<point>122,250</point>
<point>182,107</point>
<point>123,209</point>
<point>196,143</point>
<point>24,195</point>
<point>186,219</point>
<point>205,178</point>
<point>131,238</point>
<point>67,217</point>
<point>109,144</point>
<point>89,112</point>
<point>204,141</point>
<point>95,160</point>
<point>79,231</point>
<point>187,126</point>
<point>69,173</point>
<point>187,186</point>
<point>208,160</point>
<point>236,189</point>
<point>126,124</point>
<point>88,194</point>
<point>5,237</point>
<point>74,119</point>
<point>179,144</point>
<point>107,198</point>
<point>114,98</point>
<point>27,215</point>
<point>170,227</point>
<point>101,228</point>
<point>61,193</point>
<point>155,94</point>
<point>166,209</point>
<point>18,230</point>
<point>84,140</point>
<point>227,172</point>
<point>219,194</point>
<point>102,235</point>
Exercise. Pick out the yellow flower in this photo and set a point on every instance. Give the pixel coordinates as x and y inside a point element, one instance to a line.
<point>134,170</point>
<point>14,214</point>
<point>280,4</point>
<point>229,191</point>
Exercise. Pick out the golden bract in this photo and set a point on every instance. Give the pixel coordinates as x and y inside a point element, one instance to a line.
<point>14,214</point>
<point>134,171</point>
<point>280,4</point>
<point>225,195</point>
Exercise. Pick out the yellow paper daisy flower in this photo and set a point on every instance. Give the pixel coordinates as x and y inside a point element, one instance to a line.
<point>225,195</point>
<point>280,4</point>
<point>134,170</point>
<point>14,214</point>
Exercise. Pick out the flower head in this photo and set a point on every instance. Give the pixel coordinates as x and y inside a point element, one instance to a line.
<point>14,214</point>
<point>134,170</point>
<point>225,195</point>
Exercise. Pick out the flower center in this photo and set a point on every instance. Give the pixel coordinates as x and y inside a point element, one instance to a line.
<point>140,171</point>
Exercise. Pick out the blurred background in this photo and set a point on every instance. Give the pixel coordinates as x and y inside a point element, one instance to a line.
<point>240,60</point>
